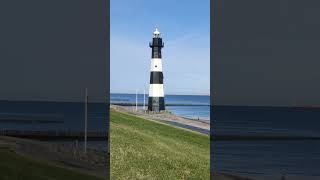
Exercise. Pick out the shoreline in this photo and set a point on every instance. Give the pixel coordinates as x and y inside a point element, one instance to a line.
<point>225,176</point>
<point>133,105</point>
<point>141,104</point>
<point>67,157</point>
<point>199,126</point>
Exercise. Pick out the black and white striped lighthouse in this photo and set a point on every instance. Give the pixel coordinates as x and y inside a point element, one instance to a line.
<point>156,93</point>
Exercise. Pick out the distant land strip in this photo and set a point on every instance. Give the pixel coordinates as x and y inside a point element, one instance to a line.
<point>260,137</point>
<point>141,104</point>
<point>55,135</point>
<point>16,120</point>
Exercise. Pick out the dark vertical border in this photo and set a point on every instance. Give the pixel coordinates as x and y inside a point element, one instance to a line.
<point>212,94</point>
<point>107,41</point>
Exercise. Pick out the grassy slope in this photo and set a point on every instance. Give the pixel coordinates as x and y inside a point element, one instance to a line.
<point>16,167</point>
<point>142,149</point>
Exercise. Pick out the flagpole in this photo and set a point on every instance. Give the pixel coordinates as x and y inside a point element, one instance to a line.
<point>136,100</point>
<point>86,122</point>
<point>144,100</point>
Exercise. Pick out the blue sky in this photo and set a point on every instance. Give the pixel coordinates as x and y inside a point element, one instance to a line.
<point>185,29</point>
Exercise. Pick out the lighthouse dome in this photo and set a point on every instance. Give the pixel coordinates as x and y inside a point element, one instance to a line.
<point>156,33</point>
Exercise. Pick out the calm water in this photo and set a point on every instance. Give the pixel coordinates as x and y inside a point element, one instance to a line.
<point>189,106</point>
<point>54,116</point>
<point>267,159</point>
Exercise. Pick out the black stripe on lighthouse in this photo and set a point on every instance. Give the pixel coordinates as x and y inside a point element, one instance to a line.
<point>156,46</point>
<point>156,93</point>
<point>156,77</point>
<point>156,104</point>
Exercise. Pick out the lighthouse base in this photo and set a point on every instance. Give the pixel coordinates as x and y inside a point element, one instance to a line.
<point>156,104</point>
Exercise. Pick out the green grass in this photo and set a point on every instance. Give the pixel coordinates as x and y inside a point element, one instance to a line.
<point>16,167</point>
<point>142,149</point>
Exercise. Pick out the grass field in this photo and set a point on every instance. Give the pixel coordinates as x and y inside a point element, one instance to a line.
<point>16,167</point>
<point>142,149</point>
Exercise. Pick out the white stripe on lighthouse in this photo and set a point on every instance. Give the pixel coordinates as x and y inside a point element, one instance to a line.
<point>156,90</point>
<point>156,64</point>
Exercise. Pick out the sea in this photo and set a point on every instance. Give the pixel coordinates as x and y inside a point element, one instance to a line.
<point>69,116</point>
<point>55,116</point>
<point>188,106</point>
<point>296,155</point>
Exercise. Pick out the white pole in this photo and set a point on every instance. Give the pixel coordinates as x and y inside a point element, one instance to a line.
<point>136,100</point>
<point>144,99</point>
<point>86,122</point>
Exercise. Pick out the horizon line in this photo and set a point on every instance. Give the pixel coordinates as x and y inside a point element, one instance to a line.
<point>204,94</point>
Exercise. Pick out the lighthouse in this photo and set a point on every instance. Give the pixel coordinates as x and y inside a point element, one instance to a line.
<point>156,92</point>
